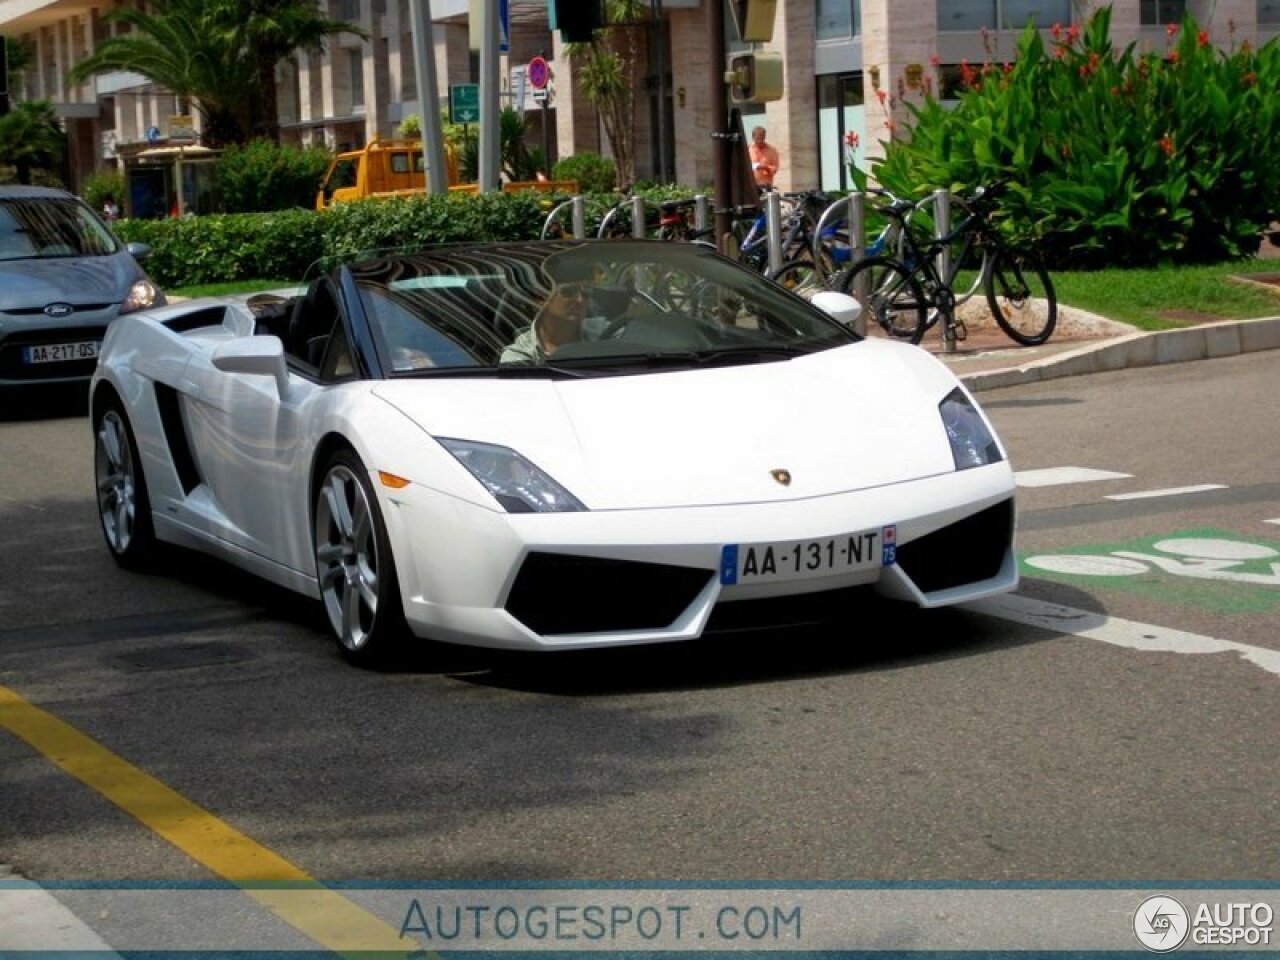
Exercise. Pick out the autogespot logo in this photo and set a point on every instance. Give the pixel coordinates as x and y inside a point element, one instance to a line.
<point>1161,924</point>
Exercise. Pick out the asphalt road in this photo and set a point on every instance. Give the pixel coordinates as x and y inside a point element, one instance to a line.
<point>892,744</point>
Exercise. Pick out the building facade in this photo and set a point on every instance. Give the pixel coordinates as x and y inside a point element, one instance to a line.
<point>845,64</point>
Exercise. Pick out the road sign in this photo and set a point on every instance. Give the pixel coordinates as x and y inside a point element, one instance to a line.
<point>538,73</point>
<point>542,95</point>
<point>464,103</point>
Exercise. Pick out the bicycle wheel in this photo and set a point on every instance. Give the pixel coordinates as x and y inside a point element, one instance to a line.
<point>890,296</point>
<point>1021,297</point>
<point>800,277</point>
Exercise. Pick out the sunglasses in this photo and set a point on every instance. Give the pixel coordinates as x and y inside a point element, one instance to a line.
<point>572,291</point>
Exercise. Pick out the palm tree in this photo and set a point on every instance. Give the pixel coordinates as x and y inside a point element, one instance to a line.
<point>218,55</point>
<point>31,139</point>
<point>605,70</point>
<point>274,31</point>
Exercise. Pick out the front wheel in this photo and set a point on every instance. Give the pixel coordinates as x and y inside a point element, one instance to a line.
<point>354,566</point>
<point>124,508</point>
<point>890,296</point>
<point>1021,297</point>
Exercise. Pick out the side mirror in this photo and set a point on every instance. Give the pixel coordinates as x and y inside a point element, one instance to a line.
<point>261,355</point>
<point>139,251</point>
<point>840,307</point>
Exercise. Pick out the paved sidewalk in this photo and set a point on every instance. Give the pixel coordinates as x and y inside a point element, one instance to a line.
<point>987,359</point>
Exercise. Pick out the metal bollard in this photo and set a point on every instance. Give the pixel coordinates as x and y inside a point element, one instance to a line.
<point>857,249</point>
<point>773,220</point>
<point>579,217</point>
<point>637,218</point>
<point>942,226</point>
<point>701,212</point>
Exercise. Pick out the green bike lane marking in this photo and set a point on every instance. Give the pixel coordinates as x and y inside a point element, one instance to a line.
<point>1212,569</point>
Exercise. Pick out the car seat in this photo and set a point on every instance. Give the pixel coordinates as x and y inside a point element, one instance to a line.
<point>312,322</point>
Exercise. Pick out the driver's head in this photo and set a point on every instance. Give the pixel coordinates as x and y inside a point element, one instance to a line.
<point>560,320</point>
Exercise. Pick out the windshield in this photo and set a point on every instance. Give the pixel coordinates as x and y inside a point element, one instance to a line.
<point>33,228</point>
<point>581,308</point>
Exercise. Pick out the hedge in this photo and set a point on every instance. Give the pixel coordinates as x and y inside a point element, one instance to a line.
<point>292,244</point>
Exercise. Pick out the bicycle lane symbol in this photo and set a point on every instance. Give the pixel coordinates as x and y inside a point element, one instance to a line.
<point>1208,559</point>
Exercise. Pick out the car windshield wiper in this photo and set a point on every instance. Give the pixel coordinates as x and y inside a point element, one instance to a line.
<point>515,371</point>
<point>719,356</point>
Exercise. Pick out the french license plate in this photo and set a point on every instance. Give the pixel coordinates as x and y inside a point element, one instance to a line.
<point>61,352</point>
<point>742,563</point>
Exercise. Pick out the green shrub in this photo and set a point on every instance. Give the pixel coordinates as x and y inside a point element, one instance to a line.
<point>96,187</point>
<point>594,173</point>
<point>262,176</point>
<point>1117,158</point>
<point>291,244</point>
<point>227,247</point>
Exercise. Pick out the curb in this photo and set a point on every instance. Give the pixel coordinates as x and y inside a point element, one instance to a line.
<point>1145,349</point>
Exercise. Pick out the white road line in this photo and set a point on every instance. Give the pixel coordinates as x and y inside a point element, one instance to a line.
<point>1056,476</point>
<point>35,921</point>
<point>1167,492</point>
<point>1115,631</point>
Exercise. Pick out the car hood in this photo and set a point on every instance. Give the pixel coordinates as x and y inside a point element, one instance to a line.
<point>76,280</point>
<point>855,417</point>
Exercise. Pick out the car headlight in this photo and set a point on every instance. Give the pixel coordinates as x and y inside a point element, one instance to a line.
<point>518,485</point>
<point>142,294</point>
<point>972,443</point>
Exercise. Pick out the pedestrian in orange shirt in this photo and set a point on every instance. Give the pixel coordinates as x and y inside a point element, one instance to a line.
<point>764,159</point>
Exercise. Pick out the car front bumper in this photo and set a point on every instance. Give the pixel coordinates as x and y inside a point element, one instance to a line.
<point>617,577</point>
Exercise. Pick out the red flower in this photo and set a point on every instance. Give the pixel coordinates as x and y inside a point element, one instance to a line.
<point>1249,79</point>
<point>935,61</point>
<point>1056,31</point>
<point>1202,38</point>
<point>880,95</point>
<point>851,140</point>
<point>1171,31</point>
<point>1166,144</point>
<point>1172,57</point>
<point>1073,34</point>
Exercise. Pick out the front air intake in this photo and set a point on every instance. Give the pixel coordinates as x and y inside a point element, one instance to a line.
<point>557,593</point>
<point>967,551</point>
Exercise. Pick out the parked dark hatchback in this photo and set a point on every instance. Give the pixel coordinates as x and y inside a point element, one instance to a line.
<point>64,276</point>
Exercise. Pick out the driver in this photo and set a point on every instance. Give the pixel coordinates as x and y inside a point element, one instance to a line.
<point>563,317</point>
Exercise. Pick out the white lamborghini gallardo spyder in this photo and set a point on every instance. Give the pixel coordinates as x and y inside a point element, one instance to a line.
<point>547,446</point>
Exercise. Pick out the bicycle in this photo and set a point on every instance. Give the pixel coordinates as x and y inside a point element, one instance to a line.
<point>820,269</point>
<point>799,222</point>
<point>907,296</point>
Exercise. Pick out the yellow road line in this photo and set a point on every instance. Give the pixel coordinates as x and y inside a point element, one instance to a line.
<point>323,915</point>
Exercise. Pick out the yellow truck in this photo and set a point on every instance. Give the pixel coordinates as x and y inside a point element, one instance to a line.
<point>381,168</point>
<point>395,168</point>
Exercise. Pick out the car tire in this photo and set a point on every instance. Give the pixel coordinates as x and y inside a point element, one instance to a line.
<point>124,508</point>
<point>354,566</point>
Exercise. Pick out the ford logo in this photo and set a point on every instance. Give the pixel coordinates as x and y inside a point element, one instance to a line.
<point>59,310</point>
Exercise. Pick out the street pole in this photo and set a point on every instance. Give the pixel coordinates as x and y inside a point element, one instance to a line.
<point>424,71</point>
<point>720,144</point>
<point>490,117</point>
<point>663,173</point>
<point>4,75</point>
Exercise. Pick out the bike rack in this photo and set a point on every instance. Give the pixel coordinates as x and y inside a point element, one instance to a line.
<point>853,209</point>
<point>578,220</point>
